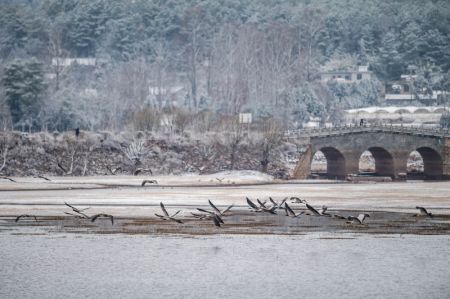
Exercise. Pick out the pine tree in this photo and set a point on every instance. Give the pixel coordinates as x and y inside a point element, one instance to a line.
<point>23,82</point>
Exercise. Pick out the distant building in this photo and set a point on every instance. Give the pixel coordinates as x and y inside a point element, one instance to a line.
<point>347,76</point>
<point>402,92</point>
<point>59,61</point>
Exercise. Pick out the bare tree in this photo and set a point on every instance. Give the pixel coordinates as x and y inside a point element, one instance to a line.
<point>57,53</point>
<point>272,136</point>
<point>233,136</point>
<point>4,147</point>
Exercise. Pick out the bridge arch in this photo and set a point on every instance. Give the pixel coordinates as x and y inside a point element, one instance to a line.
<point>335,162</point>
<point>433,166</point>
<point>422,110</point>
<point>384,162</point>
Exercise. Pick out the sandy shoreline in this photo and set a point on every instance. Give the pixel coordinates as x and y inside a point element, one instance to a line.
<point>391,205</point>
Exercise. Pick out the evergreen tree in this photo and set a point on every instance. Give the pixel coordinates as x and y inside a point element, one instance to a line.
<point>23,83</point>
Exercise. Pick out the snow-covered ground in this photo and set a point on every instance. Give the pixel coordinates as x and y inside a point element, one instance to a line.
<point>134,201</point>
<point>243,177</point>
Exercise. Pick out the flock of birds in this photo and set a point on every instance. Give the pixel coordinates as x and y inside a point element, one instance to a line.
<point>216,215</point>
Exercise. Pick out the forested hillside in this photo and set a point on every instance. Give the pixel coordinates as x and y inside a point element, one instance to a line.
<point>209,59</point>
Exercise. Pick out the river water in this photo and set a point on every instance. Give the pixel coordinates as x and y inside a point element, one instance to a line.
<point>315,265</point>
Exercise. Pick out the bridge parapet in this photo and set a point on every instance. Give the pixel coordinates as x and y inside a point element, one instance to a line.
<point>350,129</point>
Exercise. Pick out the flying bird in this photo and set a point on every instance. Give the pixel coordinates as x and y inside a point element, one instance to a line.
<point>360,218</point>
<point>78,211</point>
<point>219,212</point>
<point>139,170</point>
<point>215,209</point>
<point>290,212</point>
<point>252,205</point>
<point>25,216</point>
<point>217,220</point>
<point>339,216</point>
<point>264,208</point>
<point>295,199</point>
<point>279,205</point>
<point>42,177</point>
<point>323,211</point>
<point>313,210</point>
<point>166,215</point>
<point>8,178</point>
<point>102,215</point>
<point>149,181</point>
<point>75,215</point>
<point>423,212</point>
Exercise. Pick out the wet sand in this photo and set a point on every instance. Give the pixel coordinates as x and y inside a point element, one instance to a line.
<point>391,206</point>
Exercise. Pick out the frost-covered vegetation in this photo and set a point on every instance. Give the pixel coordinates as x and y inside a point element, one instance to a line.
<point>143,153</point>
<point>192,63</point>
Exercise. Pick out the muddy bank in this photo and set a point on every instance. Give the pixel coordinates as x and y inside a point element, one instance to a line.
<point>239,221</point>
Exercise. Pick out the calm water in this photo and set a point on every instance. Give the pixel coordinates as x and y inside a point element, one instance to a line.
<point>314,265</point>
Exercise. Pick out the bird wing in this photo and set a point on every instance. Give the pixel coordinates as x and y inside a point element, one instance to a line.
<point>143,183</point>
<point>205,211</point>
<point>227,209</point>
<point>214,207</point>
<point>176,213</point>
<point>352,218</point>
<point>422,210</point>
<point>283,201</point>
<point>160,216</point>
<point>95,217</point>
<point>289,210</point>
<point>70,206</point>
<point>272,201</point>
<point>251,204</point>
<point>262,204</point>
<point>312,209</point>
<point>164,209</point>
<point>18,218</point>
<point>361,217</point>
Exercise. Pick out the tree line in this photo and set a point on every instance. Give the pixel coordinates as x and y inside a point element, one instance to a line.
<point>263,57</point>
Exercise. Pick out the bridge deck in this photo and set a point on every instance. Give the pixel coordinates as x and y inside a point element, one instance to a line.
<point>352,129</point>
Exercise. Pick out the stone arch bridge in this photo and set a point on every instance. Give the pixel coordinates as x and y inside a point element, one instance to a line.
<point>389,145</point>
